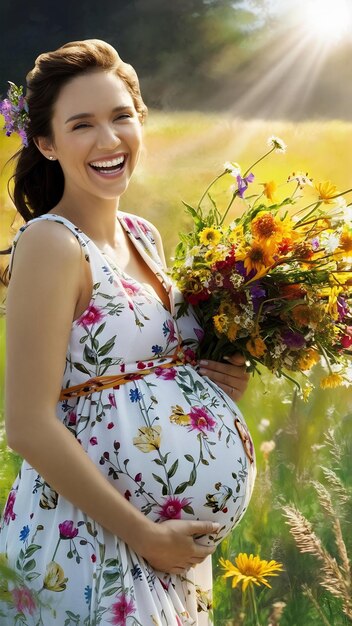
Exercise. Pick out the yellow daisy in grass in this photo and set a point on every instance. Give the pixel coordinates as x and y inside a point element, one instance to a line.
<point>221,322</point>
<point>327,191</point>
<point>258,256</point>
<point>148,439</point>
<point>250,570</point>
<point>256,346</point>
<point>269,190</point>
<point>331,381</point>
<point>210,236</point>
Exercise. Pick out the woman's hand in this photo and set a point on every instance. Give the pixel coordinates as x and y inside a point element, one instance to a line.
<point>171,546</point>
<point>232,376</point>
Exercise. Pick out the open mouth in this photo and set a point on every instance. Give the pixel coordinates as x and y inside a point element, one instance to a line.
<point>107,168</point>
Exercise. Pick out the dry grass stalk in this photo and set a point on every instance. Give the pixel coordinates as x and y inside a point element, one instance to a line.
<point>332,577</point>
<point>308,592</point>
<point>336,484</point>
<point>325,501</point>
<point>335,449</point>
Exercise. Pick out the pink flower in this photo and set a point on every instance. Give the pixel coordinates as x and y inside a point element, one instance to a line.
<point>110,425</point>
<point>93,441</point>
<point>112,399</point>
<point>23,600</point>
<point>72,418</point>
<point>93,558</point>
<point>9,513</point>
<point>141,365</point>
<point>121,610</point>
<point>346,340</point>
<point>201,420</point>
<point>169,326</point>
<point>92,316</point>
<point>131,227</point>
<point>168,373</point>
<point>129,287</point>
<point>67,530</point>
<point>172,507</point>
<point>138,477</point>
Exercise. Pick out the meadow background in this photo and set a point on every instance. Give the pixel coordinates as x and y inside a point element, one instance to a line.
<point>183,152</point>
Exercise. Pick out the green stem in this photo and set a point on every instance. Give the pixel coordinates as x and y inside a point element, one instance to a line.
<point>254,605</point>
<point>258,161</point>
<point>209,186</point>
<point>228,208</point>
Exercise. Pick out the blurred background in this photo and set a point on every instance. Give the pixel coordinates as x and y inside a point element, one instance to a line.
<point>219,77</point>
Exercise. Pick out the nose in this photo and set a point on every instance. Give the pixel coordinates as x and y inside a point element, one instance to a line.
<point>108,137</point>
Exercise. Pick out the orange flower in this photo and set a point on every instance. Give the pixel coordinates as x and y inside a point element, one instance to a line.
<point>307,359</point>
<point>266,226</point>
<point>232,331</point>
<point>256,346</point>
<point>346,241</point>
<point>269,190</point>
<point>305,315</point>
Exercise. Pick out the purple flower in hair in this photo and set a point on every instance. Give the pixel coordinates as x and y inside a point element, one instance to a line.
<point>14,108</point>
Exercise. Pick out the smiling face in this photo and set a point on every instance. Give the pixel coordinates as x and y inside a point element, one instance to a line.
<point>95,122</point>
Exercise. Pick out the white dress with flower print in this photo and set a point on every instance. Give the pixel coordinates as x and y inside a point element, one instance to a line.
<point>170,441</point>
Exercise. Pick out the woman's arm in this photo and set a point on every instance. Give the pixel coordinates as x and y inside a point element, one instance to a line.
<point>42,295</point>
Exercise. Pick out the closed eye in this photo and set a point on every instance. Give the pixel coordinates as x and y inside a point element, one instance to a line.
<point>84,124</point>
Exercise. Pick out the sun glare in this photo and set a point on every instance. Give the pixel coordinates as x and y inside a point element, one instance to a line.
<point>329,21</point>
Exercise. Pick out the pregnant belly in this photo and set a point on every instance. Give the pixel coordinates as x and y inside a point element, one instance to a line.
<point>181,450</point>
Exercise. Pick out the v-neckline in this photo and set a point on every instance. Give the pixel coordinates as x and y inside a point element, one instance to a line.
<point>153,265</point>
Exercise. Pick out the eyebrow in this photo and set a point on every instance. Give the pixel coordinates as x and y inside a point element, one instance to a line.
<point>78,116</point>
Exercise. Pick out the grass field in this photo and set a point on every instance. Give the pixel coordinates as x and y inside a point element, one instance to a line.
<point>183,153</point>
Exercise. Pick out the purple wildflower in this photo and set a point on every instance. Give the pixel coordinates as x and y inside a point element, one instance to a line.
<point>243,183</point>
<point>293,340</point>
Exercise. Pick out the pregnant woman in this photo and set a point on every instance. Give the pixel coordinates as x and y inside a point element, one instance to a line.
<point>136,462</point>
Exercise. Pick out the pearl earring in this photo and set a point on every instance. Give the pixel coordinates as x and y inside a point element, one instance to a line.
<point>52,158</point>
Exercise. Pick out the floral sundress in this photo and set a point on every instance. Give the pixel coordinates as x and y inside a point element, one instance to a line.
<point>172,442</point>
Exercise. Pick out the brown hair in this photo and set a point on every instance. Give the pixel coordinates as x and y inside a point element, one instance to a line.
<point>39,183</point>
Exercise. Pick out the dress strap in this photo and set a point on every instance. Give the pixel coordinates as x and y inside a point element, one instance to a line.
<point>55,218</point>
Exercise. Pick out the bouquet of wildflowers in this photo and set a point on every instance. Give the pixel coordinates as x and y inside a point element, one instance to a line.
<point>276,282</point>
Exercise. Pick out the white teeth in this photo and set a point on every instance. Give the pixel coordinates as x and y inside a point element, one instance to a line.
<point>117,161</point>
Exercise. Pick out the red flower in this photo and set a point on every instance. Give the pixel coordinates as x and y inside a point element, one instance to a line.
<point>201,420</point>
<point>9,512</point>
<point>93,558</point>
<point>110,425</point>
<point>127,494</point>
<point>93,441</point>
<point>112,399</point>
<point>92,316</point>
<point>67,530</point>
<point>138,477</point>
<point>23,600</point>
<point>346,340</point>
<point>172,507</point>
<point>141,365</point>
<point>121,610</point>
<point>168,373</point>
<point>72,418</point>
<point>194,298</point>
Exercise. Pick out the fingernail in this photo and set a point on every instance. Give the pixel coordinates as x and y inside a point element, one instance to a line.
<point>216,527</point>
<point>202,362</point>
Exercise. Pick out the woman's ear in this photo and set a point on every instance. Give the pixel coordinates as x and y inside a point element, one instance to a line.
<point>45,146</point>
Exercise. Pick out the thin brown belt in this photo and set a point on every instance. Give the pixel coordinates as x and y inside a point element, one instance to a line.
<point>97,383</point>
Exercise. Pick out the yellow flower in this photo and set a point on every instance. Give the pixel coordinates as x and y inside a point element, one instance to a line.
<point>209,237</point>
<point>346,241</point>
<point>331,381</point>
<point>250,570</point>
<point>331,307</point>
<point>257,257</point>
<point>149,438</point>
<point>326,190</point>
<point>307,359</point>
<point>306,391</point>
<point>54,578</point>
<point>269,190</point>
<point>213,255</point>
<point>221,322</point>
<point>179,416</point>
<point>256,346</point>
<point>236,234</point>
